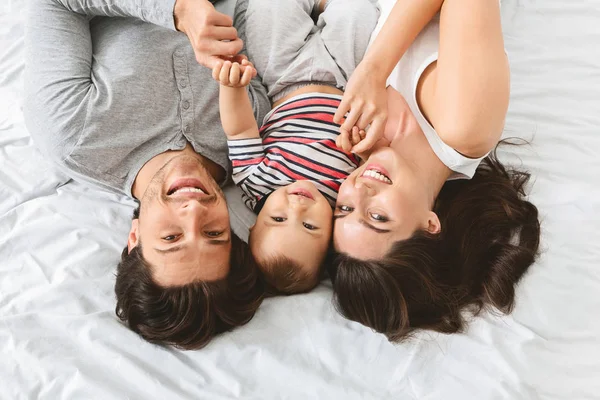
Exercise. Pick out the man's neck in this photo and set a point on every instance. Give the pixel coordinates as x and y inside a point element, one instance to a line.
<point>147,172</point>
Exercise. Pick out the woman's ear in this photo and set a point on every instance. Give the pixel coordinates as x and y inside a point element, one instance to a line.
<point>433,223</point>
<point>133,238</point>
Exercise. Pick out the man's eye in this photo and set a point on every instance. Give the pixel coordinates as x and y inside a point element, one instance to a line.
<point>214,234</point>
<point>278,219</point>
<point>309,226</point>
<point>170,238</point>
<point>345,208</point>
<point>379,217</point>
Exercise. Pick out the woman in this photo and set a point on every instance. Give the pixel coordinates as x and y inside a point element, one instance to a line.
<point>416,243</point>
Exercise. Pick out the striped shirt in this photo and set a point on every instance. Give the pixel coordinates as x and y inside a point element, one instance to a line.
<point>298,143</point>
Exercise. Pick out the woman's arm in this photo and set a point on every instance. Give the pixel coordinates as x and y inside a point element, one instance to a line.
<point>365,96</point>
<point>465,95</point>
<point>237,116</point>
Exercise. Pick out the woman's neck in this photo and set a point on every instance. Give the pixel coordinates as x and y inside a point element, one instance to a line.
<point>412,146</point>
<point>149,170</point>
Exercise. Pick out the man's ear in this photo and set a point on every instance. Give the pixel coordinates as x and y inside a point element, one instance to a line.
<point>434,225</point>
<point>133,238</point>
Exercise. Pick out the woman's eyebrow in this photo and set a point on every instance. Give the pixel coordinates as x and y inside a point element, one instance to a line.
<point>339,216</point>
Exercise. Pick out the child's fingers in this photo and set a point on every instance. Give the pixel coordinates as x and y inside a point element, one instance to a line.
<point>234,74</point>
<point>216,71</point>
<point>355,135</point>
<point>344,139</point>
<point>247,77</point>
<point>224,75</point>
<point>374,134</point>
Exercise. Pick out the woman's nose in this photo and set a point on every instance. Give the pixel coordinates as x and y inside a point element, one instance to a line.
<point>363,185</point>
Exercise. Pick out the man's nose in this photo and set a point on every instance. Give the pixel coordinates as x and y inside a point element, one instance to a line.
<point>193,207</point>
<point>192,213</point>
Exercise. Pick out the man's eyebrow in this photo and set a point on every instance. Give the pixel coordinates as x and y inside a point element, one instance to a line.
<point>170,249</point>
<point>216,242</point>
<point>368,225</point>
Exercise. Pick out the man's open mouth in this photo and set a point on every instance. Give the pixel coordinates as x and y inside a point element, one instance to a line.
<point>187,185</point>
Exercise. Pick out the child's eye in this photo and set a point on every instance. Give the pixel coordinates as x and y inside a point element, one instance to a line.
<point>278,219</point>
<point>345,208</point>
<point>309,226</point>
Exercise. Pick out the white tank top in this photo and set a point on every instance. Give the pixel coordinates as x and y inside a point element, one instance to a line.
<point>405,78</point>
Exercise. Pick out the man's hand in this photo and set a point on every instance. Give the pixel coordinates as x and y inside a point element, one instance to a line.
<point>211,33</point>
<point>230,74</point>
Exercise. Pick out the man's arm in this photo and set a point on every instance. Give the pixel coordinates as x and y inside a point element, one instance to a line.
<point>58,84</point>
<point>159,12</point>
<point>210,32</point>
<point>237,116</point>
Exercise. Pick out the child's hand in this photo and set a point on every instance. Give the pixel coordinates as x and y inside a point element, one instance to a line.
<point>349,140</point>
<point>234,74</point>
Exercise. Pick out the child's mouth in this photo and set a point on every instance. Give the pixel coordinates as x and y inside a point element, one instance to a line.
<point>303,193</point>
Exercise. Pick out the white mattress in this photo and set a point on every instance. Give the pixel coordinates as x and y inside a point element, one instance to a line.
<point>60,242</point>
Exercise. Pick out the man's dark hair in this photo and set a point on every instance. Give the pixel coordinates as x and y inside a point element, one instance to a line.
<point>490,236</point>
<point>187,316</point>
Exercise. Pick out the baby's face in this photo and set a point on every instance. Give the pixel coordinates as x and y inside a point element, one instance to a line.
<point>296,222</point>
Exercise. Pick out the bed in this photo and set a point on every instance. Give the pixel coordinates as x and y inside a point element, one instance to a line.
<point>60,242</point>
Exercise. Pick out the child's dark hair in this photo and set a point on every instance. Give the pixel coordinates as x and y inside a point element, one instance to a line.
<point>283,275</point>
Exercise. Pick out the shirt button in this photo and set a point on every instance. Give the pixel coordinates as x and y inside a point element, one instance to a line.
<point>187,128</point>
<point>186,105</point>
<point>183,84</point>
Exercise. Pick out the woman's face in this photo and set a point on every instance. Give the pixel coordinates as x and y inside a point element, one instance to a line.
<point>378,204</point>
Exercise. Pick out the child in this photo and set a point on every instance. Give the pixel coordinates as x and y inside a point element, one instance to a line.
<point>291,176</point>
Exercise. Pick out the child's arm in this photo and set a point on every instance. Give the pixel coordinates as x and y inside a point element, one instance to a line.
<point>237,116</point>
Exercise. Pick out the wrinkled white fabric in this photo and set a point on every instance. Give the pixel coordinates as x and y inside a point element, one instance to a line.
<point>59,244</point>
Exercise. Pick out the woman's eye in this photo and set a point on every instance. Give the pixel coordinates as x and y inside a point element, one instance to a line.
<point>309,226</point>
<point>345,208</point>
<point>214,234</point>
<point>379,217</point>
<point>278,219</point>
<point>170,238</point>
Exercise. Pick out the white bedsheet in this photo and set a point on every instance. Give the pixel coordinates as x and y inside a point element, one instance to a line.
<point>60,243</point>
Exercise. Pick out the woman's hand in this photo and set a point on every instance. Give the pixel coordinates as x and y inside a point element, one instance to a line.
<point>234,75</point>
<point>211,33</point>
<point>365,102</point>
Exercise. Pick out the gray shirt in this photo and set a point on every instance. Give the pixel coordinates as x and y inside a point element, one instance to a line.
<point>111,84</point>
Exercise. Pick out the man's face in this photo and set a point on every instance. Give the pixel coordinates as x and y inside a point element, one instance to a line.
<point>183,224</point>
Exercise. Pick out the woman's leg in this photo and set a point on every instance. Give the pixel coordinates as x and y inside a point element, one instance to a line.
<point>346,27</point>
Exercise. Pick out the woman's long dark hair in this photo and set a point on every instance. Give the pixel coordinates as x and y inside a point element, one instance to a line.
<point>490,236</point>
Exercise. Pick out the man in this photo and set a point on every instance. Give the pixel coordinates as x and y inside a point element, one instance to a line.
<point>116,97</point>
